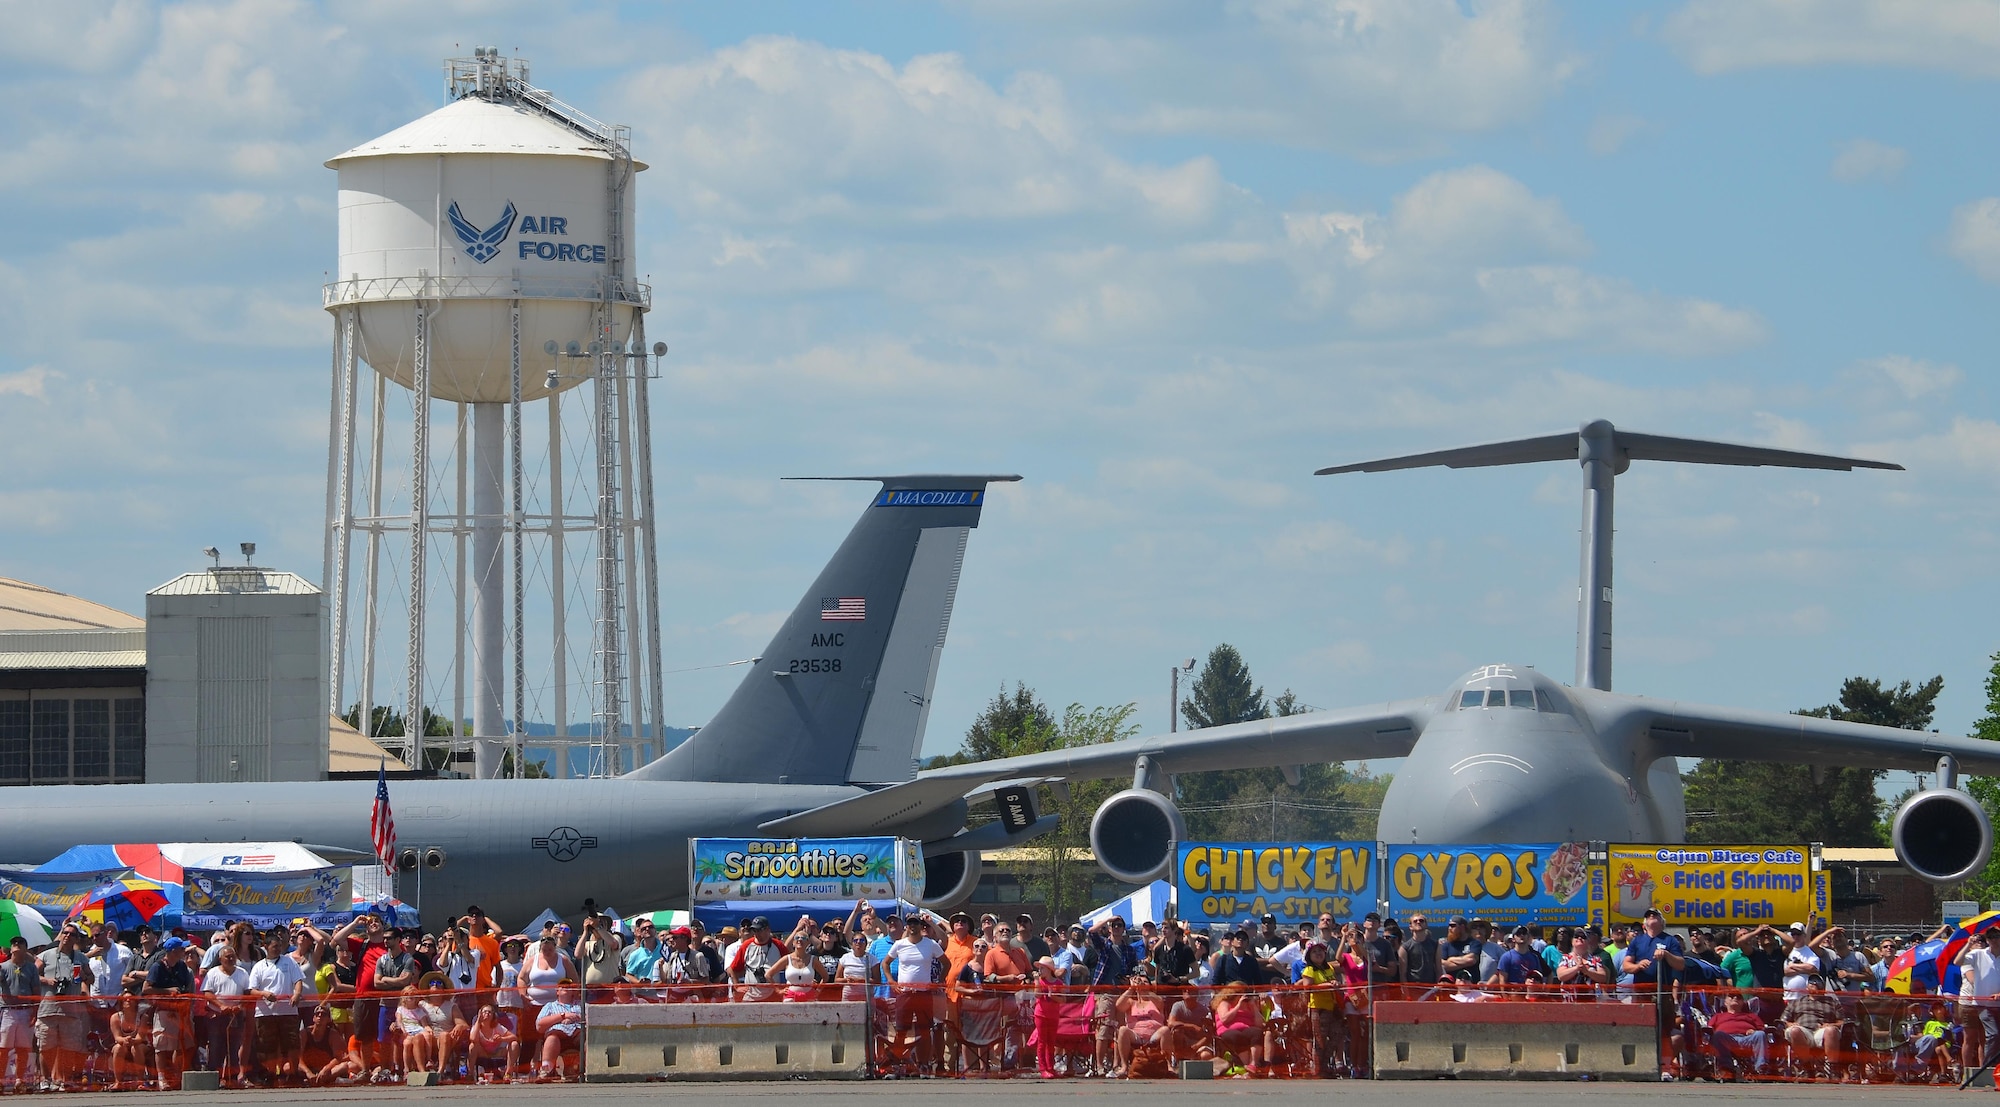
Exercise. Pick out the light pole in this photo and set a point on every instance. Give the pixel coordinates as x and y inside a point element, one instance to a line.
<point>1174,700</point>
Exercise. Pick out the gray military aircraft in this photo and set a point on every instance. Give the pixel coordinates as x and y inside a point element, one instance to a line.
<point>837,704</point>
<point>1504,753</point>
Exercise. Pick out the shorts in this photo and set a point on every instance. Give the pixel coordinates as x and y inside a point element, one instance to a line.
<point>277,1035</point>
<point>914,1007</point>
<point>1988,1018</point>
<point>59,1032</point>
<point>365,1026</point>
<point>17,1028</point>
<point>168,1040</point>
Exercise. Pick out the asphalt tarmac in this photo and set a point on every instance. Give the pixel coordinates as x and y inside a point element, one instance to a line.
<point>1279,1093</point>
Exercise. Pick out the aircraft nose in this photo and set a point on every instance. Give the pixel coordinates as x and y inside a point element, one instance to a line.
<point>1481,806</point>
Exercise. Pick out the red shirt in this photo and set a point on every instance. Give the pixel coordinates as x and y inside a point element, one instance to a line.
<point>1735,1022</point>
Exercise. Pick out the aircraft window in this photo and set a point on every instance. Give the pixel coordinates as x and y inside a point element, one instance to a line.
<point>1496,697</point>
<point>1522,697</point>
<point>1472,698</point>
<point>1547,702</point>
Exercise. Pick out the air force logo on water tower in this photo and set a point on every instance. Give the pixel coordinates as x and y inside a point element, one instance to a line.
<point>481,245</point>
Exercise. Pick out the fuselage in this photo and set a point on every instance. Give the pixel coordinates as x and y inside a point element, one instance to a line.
<point>1512,756</point>
<point>513,847</point>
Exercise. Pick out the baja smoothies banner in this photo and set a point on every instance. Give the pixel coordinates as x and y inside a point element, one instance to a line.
<point>1543,882</point>
<point>218,897</point>
<point>1227,882</point>
<point>53,894</point>
<point>803,870</point>
<point>1709,885</point>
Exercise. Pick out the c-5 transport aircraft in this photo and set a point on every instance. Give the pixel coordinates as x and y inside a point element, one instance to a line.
<point>837,703</point>
<point>1504,753</point>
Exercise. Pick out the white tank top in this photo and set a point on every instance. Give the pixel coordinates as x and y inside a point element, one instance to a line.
<point>798,974</point>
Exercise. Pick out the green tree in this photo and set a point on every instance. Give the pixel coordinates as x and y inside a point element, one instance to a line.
<point>1758,801</point>
<point>1223,692</point>
<point>1986,886</point>
<point>1004,719</point>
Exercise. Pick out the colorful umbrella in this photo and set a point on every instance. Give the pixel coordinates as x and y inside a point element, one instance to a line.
<point>394,912</point>
<point>1967,929</point>
<point>18,920</point>
<point>663,921</point>
<point>130,901</point>
<point>1915,970</point>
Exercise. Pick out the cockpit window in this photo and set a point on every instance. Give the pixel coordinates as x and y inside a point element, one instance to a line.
<point>1471,698</point>
<point>1496,697</point>
<point>1548,703</point>
<point>1521,697</point>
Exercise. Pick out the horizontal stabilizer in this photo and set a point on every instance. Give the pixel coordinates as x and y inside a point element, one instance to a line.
<point>1630,446</point>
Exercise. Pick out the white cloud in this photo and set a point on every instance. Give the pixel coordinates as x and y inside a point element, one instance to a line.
<point>1864,158</point>
<point>1969,447</point>
<point>32,381</point>
<point>1910,378</point>
<point>1610,133</point>
<point>80,36</point>
<point>778,130</point>
<point>1974,237</point>
<point>1720,36</point>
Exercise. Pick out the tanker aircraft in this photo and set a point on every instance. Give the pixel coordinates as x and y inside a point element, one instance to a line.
<point>836,704</point>
<point>1504,753</point>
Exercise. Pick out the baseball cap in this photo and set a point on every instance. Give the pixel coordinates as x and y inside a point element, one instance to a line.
<point>1797,928</point>
<point>1270,918</point>
<point>760,923</point>
<point>173,943</point>
<point>681,932</point>
<point>1371,917</point>
<point>1455,920</point>
<point>1519,932</point>
<point>1652,913</point>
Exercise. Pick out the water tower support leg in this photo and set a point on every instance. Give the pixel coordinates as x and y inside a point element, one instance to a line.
<point>489,602</point>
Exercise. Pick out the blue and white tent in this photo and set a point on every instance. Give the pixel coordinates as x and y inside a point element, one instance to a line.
<point>1148,904</point>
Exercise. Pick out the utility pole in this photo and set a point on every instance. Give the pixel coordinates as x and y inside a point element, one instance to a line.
<point>1174,697</point>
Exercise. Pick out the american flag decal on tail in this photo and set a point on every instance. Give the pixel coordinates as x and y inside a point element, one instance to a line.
<point>844,609</point>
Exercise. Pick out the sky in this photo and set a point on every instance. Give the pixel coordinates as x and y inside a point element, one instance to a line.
<point>1163,260</point>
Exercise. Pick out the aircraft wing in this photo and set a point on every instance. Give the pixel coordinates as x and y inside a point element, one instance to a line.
<point>1349,734</point>
<point>1680,729</point>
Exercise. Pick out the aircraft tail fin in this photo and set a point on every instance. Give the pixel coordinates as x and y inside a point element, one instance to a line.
<point>1628,446</point>
<point>842,692</point>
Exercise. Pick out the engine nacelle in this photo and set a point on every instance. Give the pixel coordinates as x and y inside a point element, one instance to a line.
<point>1942,835</point>
<point>1133,835</point>
<point>949,879</point>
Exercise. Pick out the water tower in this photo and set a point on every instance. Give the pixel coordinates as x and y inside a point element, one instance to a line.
<point>485,265</point>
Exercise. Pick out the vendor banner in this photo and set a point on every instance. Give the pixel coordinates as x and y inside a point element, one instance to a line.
<point>1229,882</point>
<point>1711,885</point>
<point>218,897</point>
<point>804,870</point>
<point>53,894</point>
<point>1542,883</point>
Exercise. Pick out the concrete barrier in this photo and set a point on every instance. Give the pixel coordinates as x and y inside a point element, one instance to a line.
<point>1530,1041</point>
<point>724,1041</point>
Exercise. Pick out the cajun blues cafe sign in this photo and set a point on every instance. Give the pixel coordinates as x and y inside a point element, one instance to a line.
<point>803,870</point>
<point>1225,882</point>
<point>218,897</point>
<point>1542,882</point>
<point>1706,885</point>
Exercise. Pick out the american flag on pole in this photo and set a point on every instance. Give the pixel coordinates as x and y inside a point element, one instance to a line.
<point>845,609</point>
<point>381,824</point>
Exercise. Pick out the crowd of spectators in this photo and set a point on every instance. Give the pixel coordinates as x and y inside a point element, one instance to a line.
<point>368,1002</point>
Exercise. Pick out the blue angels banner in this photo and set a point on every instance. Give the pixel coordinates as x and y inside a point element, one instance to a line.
<point>803,870</point>
<point>218,897</point>
<point>1541,882</point>
<point>1229,882</point>
<point>53,894</point>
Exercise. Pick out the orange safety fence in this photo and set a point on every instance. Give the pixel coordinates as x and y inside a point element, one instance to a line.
<point>146,1042</point>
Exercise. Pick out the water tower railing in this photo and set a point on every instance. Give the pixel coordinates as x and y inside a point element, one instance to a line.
<point>362,290</point>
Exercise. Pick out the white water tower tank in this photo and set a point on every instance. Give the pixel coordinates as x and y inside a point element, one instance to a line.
<point>470,207</point>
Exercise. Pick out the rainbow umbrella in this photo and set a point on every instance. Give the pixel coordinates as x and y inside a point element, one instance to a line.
<point>18,920</point>
<point>1967,930</point>
<point>130,901</point>
<point>1915,970</point>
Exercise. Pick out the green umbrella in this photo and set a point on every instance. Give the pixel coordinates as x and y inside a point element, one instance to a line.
<point>662,921</point>
<point>23,921</point>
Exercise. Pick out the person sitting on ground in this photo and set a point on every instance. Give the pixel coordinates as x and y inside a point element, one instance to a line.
<point>1932,1045</point>
<point>326,1056</point>
<point>1814,1022</point>
<point>1143,1024</point>
<point>414,1026</point>
<point>561,1027</point>
<point>491,1045</point>
<point>128,1045</point>
<point>1239,1028</point>
<point>1736,1031</point>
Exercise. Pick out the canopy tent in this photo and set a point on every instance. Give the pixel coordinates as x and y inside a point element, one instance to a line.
<point>785,916</point>
<point>1147,905</point>
<point>163,861</point>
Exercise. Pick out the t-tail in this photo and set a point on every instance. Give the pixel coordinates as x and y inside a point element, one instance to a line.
<point>843,691</point>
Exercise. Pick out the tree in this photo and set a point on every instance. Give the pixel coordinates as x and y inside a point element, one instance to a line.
<point>1757,801</point>
<point>1223,693</point>
<point>1986,789</point>
<point>1004,719</point>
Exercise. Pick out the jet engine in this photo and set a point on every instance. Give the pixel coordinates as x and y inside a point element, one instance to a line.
<point>1942,835</point>
<point>1133,835</point>
<point>949,878</point>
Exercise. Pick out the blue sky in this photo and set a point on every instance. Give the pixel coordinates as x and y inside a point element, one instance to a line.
<point>1163,260</point>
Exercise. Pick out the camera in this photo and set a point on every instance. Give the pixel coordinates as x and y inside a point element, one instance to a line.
<point>757,975</point>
